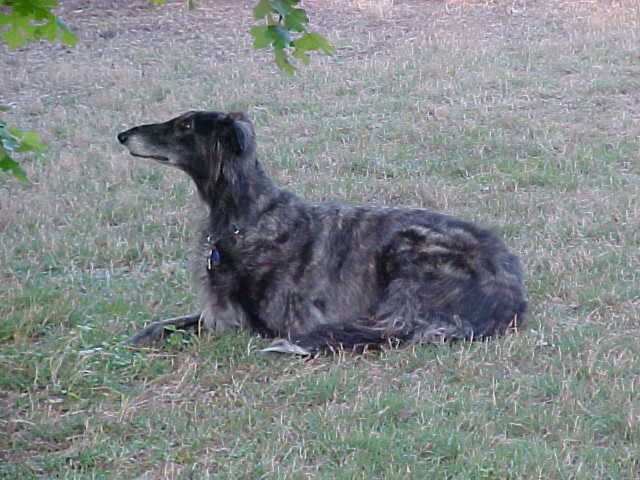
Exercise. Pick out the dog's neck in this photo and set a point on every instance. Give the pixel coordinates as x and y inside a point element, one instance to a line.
<point>239,203</point>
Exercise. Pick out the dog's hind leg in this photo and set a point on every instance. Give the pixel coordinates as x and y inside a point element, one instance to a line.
<point>158,331</point>
<point>410,314</point>
<point>402,317</point>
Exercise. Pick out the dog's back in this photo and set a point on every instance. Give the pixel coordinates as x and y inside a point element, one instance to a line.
<point>333,276</point>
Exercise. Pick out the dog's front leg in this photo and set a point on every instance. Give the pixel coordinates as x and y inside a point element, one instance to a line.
<point>158,331</point>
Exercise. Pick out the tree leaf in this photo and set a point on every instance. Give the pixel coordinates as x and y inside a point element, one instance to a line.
<point>8,140</point>
<point>22,29</point>
<point>301,55</point>
<point>281,7</point>
<point>280,36</point>
<point>66,36</point>
<point>275,35</point>
<point>9,144</point>
<point>313,41</point>
<point>30,142</point>
<point>261,38</point>
<point>10,165</point>
<point>19,33</point>
<point>283,62</point>
<point>47,30</point>
<point>296,20</point>
<point>262,10</point>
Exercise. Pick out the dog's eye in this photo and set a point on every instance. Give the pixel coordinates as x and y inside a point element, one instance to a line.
<point>186,125</point>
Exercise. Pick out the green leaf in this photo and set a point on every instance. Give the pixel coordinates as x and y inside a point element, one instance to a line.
<point>275,35</point>
<point>66,36</point>
<point>9,144</point>
<point>15,140</point>
<point>22,29</point>
<point>261,37</point>
<point>262,10</point>
<point>8,139</point>
<point>296,20</point>
<point>280,36</point>
<point>4,108</point>
<point>10,165</point>
<point>281,7</point>
<point>283,62</point>
<point>30,142</point>
<point>313,41</point>
<point>301,55</point>
<point>47,30</point>
<point>282,18</point>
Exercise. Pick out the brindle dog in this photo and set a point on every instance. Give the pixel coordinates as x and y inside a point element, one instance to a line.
<point>324,276</point>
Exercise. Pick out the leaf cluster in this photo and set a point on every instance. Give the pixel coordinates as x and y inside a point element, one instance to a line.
<point>285,30</point>
<point>23,21</point>
<point>13,140</point>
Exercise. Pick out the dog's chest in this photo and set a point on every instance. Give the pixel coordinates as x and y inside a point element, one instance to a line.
<point>241,251</point>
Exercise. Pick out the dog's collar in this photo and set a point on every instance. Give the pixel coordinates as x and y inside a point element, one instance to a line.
<point>214,258</point>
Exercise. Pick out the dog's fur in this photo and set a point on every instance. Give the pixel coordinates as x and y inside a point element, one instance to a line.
<point>324,276</point>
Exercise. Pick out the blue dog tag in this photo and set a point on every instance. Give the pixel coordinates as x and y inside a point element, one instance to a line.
<point>214,259</point>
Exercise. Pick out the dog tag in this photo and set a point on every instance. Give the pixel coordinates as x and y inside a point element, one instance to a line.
<point>214,259</point>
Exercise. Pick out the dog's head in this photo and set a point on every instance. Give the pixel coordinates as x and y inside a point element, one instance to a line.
<point>196,142</point>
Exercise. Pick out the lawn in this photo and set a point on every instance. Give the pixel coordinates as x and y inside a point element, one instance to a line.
<point>522,115</point>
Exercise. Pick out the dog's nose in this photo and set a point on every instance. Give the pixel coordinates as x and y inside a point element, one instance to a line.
<point>122,136</point>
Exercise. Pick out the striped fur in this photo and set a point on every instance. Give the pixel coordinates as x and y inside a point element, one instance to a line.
<point>324,276</point>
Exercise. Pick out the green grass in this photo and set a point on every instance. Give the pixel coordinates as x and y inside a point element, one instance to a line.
<point>523,116</point>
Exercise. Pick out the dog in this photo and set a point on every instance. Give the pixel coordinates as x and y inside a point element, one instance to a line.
<point>323,277</point>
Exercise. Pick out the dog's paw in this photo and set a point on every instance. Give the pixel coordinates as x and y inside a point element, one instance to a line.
<point>154,333</point>
<point>285,346</point>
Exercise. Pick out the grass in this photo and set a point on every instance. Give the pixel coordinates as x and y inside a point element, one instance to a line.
<point>520,115</point>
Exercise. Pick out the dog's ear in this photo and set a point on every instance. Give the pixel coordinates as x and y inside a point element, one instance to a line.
<point>242,132</point>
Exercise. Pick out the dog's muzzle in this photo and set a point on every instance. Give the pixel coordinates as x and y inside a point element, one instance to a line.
<point>124,136</point>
